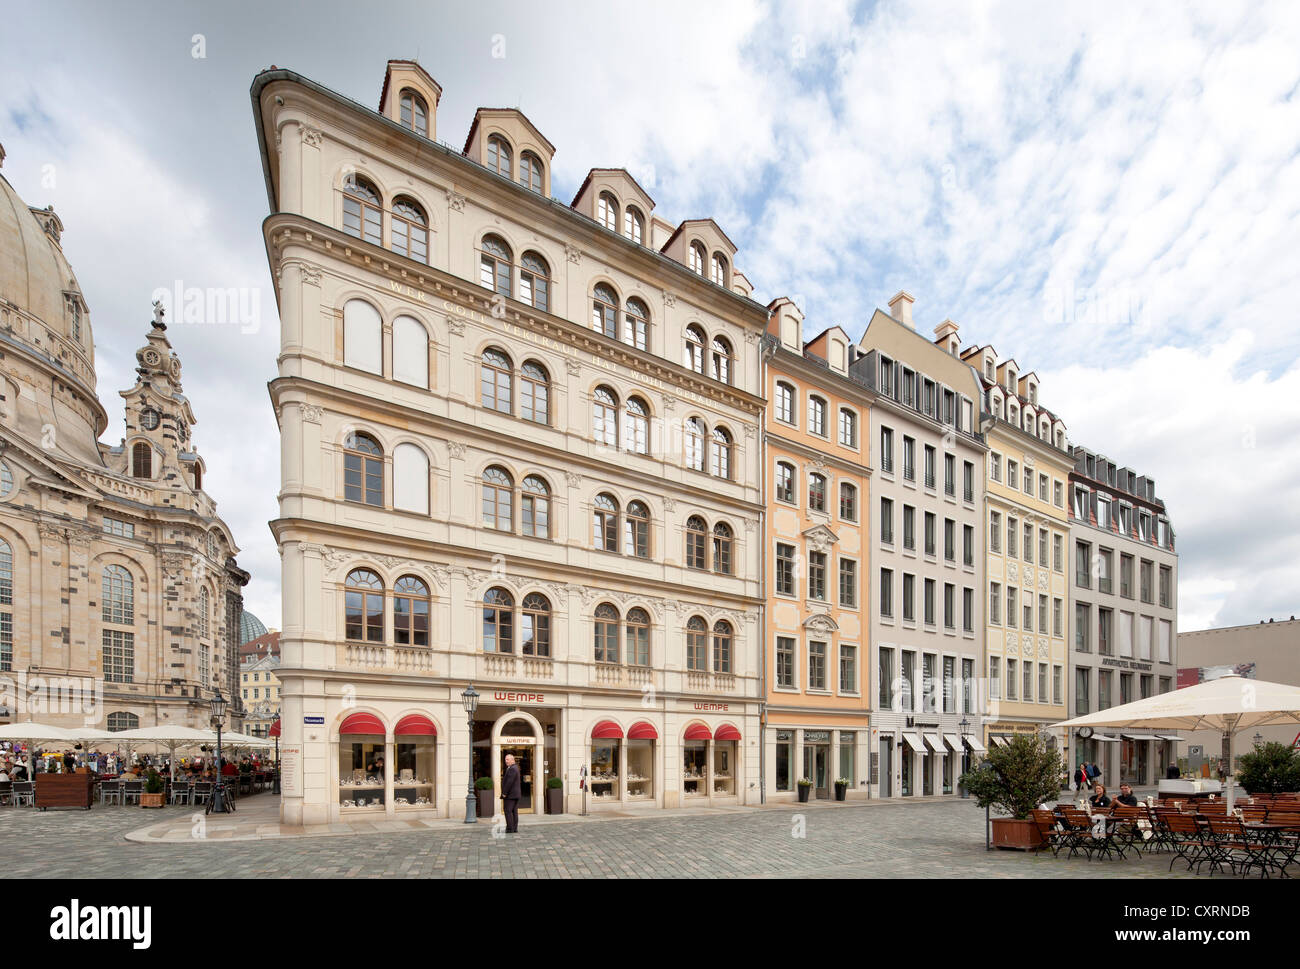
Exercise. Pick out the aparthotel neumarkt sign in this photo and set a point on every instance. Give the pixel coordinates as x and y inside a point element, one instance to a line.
<point>1128,664</point>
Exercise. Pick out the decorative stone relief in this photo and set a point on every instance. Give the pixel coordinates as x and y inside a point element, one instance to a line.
<point>311,413</point>
<point>455,201</point>
<point>1013,571</point>
<point>669,299</point>
<point>455,326</point>
<point>670,504</point>
<point>573,253</point>
<point>456,449</point>
<point>572,479</point>
<point>572,366</point>
<point>311,136</point>
<point>310,274</point>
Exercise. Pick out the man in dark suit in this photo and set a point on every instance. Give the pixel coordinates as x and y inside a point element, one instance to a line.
<point>510,792</point>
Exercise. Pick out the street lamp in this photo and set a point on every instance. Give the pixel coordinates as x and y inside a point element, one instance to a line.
<point>965,754</point>
<point>275,781</point>
<point>218,804</point>
<point>469,699</point>
<point>1258,738</point>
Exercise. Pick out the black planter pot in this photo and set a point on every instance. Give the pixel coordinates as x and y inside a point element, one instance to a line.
<point>804,791</point>
<point>841,791</point>
<point>486,804</point>
<point>554,800</point>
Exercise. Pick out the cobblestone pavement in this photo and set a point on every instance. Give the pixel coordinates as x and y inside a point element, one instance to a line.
<point>879,840</point>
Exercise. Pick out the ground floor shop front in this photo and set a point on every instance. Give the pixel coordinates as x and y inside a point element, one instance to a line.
<point>388,750</point>
<point>822,750</point>
<point>1136,757</point>
<point>922,755</point>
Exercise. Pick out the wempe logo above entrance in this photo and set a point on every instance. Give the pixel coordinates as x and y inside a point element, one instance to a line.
<point>102,923</point>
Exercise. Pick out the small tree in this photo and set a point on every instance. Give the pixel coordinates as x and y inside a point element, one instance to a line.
<point>1016,778</point>
<point>1270,768</point>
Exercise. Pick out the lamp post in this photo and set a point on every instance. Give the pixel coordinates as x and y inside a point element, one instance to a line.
<point>218,803</point>
<point>965,753</point>
<point>470,701</point>
<point>1259,739</point>
<point>275,781</point>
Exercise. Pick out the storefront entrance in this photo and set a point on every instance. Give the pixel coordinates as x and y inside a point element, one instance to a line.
<point>887,766</point>
<point>524,761</point>
<point>816,762</point>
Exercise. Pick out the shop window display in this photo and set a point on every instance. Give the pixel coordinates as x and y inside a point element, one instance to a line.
<point>361,771</point>
<point>604,769</point>
<point>640,769</point>
<point>784,757</point>
<point>413,772</point>
<point>695,768</point>
<point>724,762</point>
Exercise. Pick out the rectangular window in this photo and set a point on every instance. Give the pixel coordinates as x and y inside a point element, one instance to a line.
<point>1013,529</point>
<point>950,474</point>
<point>1058,618</point>
<point>1013,475</point>
<point>1012,612</point>
<point>1058,494</point>
<point>995,466</point>
<point>887,593</point>
<point>909,681</point>
<point>1027,672</point>
<point>785,569</point>
<point>1145,574</point>
<point>930,528</point>
<point>949,686</point>
<point>1105,645</point>
<point>1126,634</point>
<point>929,602</point>
<point>1058,553</point>
<point>968,610</point>
<point>848,583</point>
<point>886,679</point>
<point>928,685</point>
<point>1012,685</point>
<point>848,669</point>
<point>909,459</point>
<point>1166,684</point>
<point>950,540</point>
<point>1125,573</point>
<point>1083,565</point>
<point>1029,542</point>
<point>817,575</point>
<point>1166,642</point>
<point>1042,682</point>
<point>1166,585</point>
<point>119,656</point>
<point>1042,547</point>
<point>887,521</point>
<point>1126,688</point>
<point>785,662</point>
<point>1058,684</point>
<point>995,678</point>
<point>119,528</point>
<point>1029,482</point>
<point>968,481</point>
<point>1082,697</point>
<point>1146,686</point>
<point>784,760</point>
<point>929,466</point>
<point>995,531</point>
<point>968,544</point>
<point>1042,487</point>
<point>887,449</point>
<point>995,603</point>
<point>816,665</point>
<point>949,606</point>
<point>909,597</point>
<point>967,686</point>
<point>909,527</point>
<point>1042,614</point>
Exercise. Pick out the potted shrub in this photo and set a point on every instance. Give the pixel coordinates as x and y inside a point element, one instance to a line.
<point>1015,779</point>
<point>486,800</point>
<point>1270,768</point>
<point>841,788</point>
<point>554,795</point>
<point>805,788</point>
<point>152,795</point>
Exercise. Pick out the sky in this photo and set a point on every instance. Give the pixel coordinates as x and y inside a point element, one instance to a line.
<point>1109,193</point>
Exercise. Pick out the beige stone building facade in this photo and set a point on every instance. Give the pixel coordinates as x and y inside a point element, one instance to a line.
<point>118,580</point>
<point>503,420</point>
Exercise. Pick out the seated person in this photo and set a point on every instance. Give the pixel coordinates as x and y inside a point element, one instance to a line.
<point>1126,795</point>
<point>1099,798</point>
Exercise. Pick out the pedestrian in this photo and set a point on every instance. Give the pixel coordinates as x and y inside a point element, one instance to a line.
<point>510,792</point>
<point>1080,776</point>
<point>1093,773</point>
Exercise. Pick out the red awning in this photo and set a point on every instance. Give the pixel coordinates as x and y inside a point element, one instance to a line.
<point>698,731</point>
<point>275,729</point>
<point>362,723</point>
<point>415,725</point>
<point>606,730</point>
<point>727,732</point>
<point>642,731</point>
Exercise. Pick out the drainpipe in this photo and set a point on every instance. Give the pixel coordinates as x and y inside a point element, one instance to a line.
<point>764,356</point>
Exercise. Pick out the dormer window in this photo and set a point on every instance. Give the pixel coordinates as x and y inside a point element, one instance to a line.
<point>607,211</point>
<point>697,258</point>
<point>718,269</point>
<point>74,316</point>
<point>634,224</point>
<point>142,461</point>
<point>500,159</point>
<point>988,368</point>
<point>414,113</point>
<point>530,172</point>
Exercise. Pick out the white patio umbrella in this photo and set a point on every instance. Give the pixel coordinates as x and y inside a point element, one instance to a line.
<point>29,732</point>
<point>169,736</point>
<point>1229,704</point>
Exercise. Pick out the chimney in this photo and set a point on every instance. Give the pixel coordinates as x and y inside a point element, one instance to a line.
<point>900,307</point>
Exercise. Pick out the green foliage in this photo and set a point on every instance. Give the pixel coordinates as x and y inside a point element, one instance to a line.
<point>805,782</point>
<point>483,784</point>
<point>153,783</point>
<point>1016,778</point>
<point>555,783</point>
<point>1270,768</point>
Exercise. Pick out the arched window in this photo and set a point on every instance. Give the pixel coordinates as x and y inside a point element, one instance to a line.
<point>721,360</point>
<point>535,281</point>
<point>607,211</point>
<point>722,546</point>
<point>604,523</point>
<point>410,612</point>
<point>816,416</point>
<point>414,113</point>
<point>535,625</point>
<point>722,647</point>
<point>410,352</point>
<point>848,502</point>
<point>636,530</point>
<point>494,262</point>
<point>117,722</point>
<point>142,460</point>
<point>604,311</point>
<point>530,172</point>
<point>697,644</point>
<point>363,470</point>
<point>363,210</point>
<point>785,403</point>
<point>720,453</point>
<point>606,633</point>
<point>636,426</point>
<point>816,492</point>
<point>363,607</point>
<point>695,444</point>
<point>204,608</point>
<point>696,536</point>
<point>500,159</point>
<point>6,607</point>
<point>534,393</point>
<point>535,507</point>
<point>636,324</point>
<point>718,268</point>
<point>198,477</point>
<point>697,258</point>
<point>848,427</point>
<point>494,380</point>
<point>410,230</point>
<point>604,417</point>
<point>785,482</point>
<point>638,637</point>
<point>498,621</point>
<point>633,224</point>
<point>363,337</point>
<point>695,349</point>
<point>118,595</point>
<point>498,499</point>
<point>410,479</point>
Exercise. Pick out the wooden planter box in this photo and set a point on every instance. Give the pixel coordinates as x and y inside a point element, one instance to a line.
<point>65,790</point>
<point>151,800</point>
<point>1016,835</point>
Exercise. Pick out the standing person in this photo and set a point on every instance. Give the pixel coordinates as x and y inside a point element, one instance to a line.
<point>510,793</point>
<point>1080,776</point>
